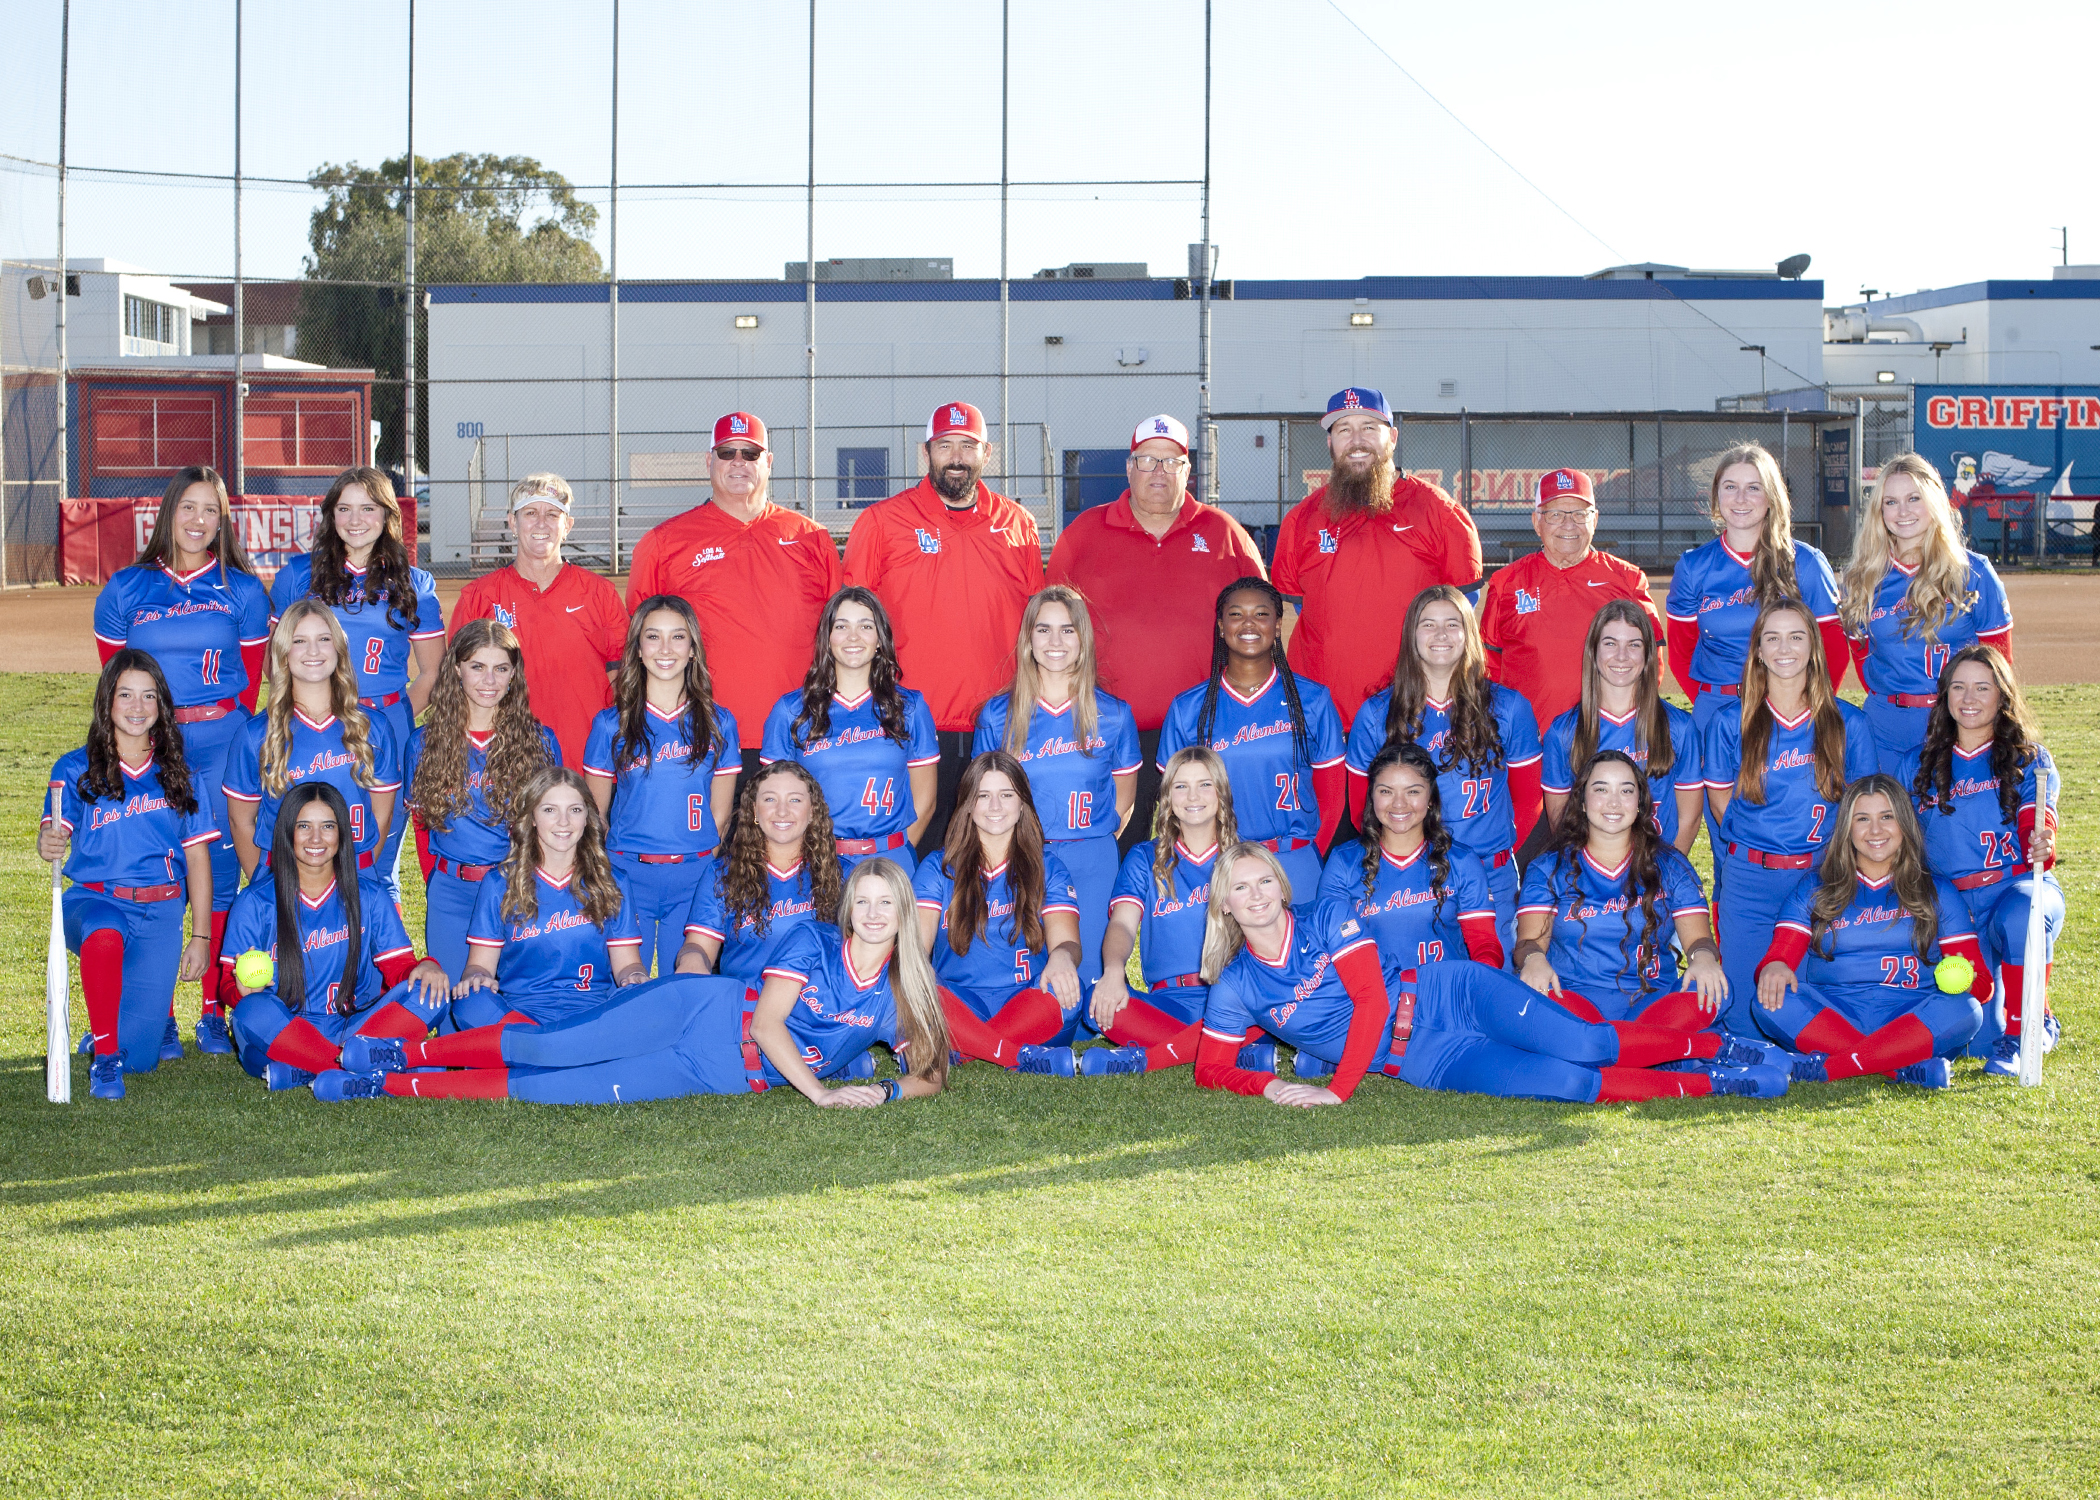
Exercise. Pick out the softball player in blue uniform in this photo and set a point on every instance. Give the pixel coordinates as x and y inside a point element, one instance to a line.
<point>999,918</point>
<point>466,765</point>
<point>829,996</point>
<point>193,604</point>
<point>1313,980</point>
<point>662,764</point>
<point>352,968</point>
<point>1623,708</point>
<point>553,930</point>
<point>1079,746</point>
<point>1482,736</point>
<point>1277,733</point>
<point>135,836</point>
<point>870,743</point>
<point>1985,791</point>
<point>777,870</point>
<point>1157,908</point>
<point>358,566</point>
<point>313,730</point>
<point>1915,595</point>
<point>1774,775</point>
<point>1849,972</point>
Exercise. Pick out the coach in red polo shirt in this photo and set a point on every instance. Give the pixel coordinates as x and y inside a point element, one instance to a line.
<point>953,562</point>
<point>1535,614</point>
<point>756,574</point>
<point>1151,563</point>
<point>1356,550</point>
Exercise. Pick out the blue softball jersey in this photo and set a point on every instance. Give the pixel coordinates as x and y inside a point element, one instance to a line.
<point>1171,917</point>
<point>745,950</point>
<point>1595,945</point>
<point>1557,773</point>
<point>865,774</point>
<point>1867,956</point>
<point>135,840</point>
<point>1795,816</point>
<point>559,962</point>
<point>1299,999</point>
<point>380,643</point>
<point>1898,664</point>
<point>1474,800</point>
<point>1976,837</point>
<point>1272,790</point>
<point>1401,909</point>
<point>998,962</point>
<point>478,836</point>
<point>1073,785</point>
<point>324,936</point>
<point>662,797</point>
<point>1711,587</point>
<point>840,1013</point>
<point>316,753</point>
<point>194,626</point>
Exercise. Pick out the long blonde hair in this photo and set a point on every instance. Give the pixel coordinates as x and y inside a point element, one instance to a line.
<point>596,893</point>
<point>1222,938</point>
<point>1772,565</point>
<point>342,695</point>
<point>1027,685</point>
<point>1166,825</point>
<point>924,1027</point>
<point>1758,718</point>
<point>1940,588</point>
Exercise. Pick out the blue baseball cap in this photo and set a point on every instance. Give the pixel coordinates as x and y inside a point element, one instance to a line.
<point>1357,398</point>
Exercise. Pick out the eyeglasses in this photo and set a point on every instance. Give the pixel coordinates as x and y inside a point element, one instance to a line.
<point>1146,463</point>
<point>748,455</point>
<point>1567,517</point>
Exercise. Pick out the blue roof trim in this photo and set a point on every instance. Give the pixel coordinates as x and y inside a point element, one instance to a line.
<point>1159,289</point>
<point>1994,291</point>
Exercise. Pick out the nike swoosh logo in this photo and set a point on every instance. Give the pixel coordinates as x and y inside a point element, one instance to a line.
<point>574,607</point>
<point>1596,583</point>
<point>787,541</point>
<point>1527,1006</point>
<point>1398,529</point>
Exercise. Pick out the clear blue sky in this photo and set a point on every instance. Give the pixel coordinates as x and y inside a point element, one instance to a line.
<point>1903,147</point>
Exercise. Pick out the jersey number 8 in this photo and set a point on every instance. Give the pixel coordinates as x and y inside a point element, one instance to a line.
<point>374,649</point>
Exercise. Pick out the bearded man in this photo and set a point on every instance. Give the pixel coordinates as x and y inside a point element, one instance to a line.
<point>953,562</point>
<point>1356,551</point>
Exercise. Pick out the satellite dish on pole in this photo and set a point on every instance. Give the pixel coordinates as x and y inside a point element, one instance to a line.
<point>1791,268</point>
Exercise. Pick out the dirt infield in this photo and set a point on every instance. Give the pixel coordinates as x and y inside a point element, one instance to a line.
<point>2054,634</point>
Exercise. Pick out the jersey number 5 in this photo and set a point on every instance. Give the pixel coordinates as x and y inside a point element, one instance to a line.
<point>1021,974</point>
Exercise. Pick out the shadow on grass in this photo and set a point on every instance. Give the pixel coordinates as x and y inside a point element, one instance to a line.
<point>199,1142</point>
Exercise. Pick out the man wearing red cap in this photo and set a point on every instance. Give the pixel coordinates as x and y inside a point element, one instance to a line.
<point>1535,614</point>
<point>1151,563</point>
<point>953,562</point>
<point>756,574</point>
<point>1356,550</point>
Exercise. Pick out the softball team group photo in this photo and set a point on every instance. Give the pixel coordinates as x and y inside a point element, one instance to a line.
<point>1151,802</point>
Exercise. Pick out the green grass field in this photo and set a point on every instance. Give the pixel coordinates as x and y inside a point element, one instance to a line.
<point>1038,1287</point>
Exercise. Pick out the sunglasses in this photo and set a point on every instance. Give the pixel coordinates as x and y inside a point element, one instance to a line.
<point>748,455</point>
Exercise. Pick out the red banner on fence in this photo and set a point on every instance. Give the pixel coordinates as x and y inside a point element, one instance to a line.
<point>97,537</point>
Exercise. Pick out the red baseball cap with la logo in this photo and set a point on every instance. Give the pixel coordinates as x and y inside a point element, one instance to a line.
<point>955,416</point>
<point>1563,484</point>
<point>740,427</point>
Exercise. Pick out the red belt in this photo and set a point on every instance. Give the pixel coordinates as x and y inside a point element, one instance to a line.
<point>1990,877</point>
<point>880,845</point>
<point>204,713</point>
<point>1497,861</point>
<point>1773,861</point>
<point>1178,982</point>
<point>1403,1023</point>
<point>387,702</point>
<point>1732,689</point>
<point>464,872</point>
<point>754,1060</point>
<point>667,859</point>
<point>133,892</point>
<point>1283,846</point>
<point>1912,700</point>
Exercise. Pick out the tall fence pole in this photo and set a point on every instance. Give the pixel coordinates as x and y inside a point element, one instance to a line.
<point>408,283</point>
<point>613,303</point>
<point>240,302</point>
<point>809,276</point>
<point>65,281</point>
<point>1006,430</point>
<point>1208,434</point>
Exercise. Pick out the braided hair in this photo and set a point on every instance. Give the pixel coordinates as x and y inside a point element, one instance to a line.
<point>1434,834</point>
<point>1206,717</point>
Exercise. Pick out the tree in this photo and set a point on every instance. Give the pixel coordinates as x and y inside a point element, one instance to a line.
<point>471,213</point>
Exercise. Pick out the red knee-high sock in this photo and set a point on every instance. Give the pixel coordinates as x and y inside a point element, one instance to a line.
<point>2012,983</point>
<point>481,1047</point>
<point>217,999</point>
<point>1904,1040</point>
<point>102,985</point>
<point>474,1083</point>
<point>1643,1045</point>
<point>1679,1010</point>
<point>302,1045</point>
<point>1031,1018</point>
<point>1626,1085</point>
<point>1828,1032</point>
<point>1178,1051</point>
<point>1579,1006</point>
<point>1140,1025</point>
<point>969,1035</point>
<point>395,1019</point>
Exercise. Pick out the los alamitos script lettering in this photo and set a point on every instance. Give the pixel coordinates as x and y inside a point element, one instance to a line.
<point>561,921</point>
<point>101,815</point>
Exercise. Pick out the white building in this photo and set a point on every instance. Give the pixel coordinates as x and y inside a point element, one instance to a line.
<point>1980,333</point>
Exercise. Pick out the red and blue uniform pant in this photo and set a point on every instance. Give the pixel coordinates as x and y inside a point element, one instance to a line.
<point>150,934</point>
<point>662,895</point>
<point>1999,913</point>
<point>1872,1028</point>
<point>262,1018</point>
<point>1747,899</point>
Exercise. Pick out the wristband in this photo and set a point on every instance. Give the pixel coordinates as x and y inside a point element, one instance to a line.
<point>891,1089</point>
<point>1705,945</point>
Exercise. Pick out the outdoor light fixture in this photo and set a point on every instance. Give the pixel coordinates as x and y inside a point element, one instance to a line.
<point>1361,320</point>
<point>1053,338</point>
<point>1884,377</point>
<point>747,320</point>
<point>36,289</point>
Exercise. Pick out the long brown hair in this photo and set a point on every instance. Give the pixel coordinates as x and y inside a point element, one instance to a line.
<point>1757,713</point>
<point>1474,741</point>
<point>1166,824</point>
<point>822,681</point>
<point>631,691</point>
<point>342,700</point>
<point>921,1023</point>
<point>596,893</point>
<point>1651,718</point>
<point>1912,880</point>
<point>517,750</point>
<point>104,777</point>
<point>2016,739</point>
<point>1772,564</point>
<point>744,883</point>
<point>290,979</point>
<point>1027,684</point>
<point>968,913</point>
<point>1435,836</point>
<point>386,570</point>
<point>1571,835</point>
<point>159,550</point>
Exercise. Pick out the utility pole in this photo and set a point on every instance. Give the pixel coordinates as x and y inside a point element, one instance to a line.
<point>408,284</point>
<point>1006,427</point>
<point>809,274</point>
<point>240,305</point>
<point>1208,437</point>
<point>613,298</point>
